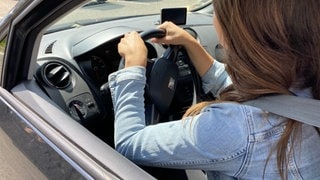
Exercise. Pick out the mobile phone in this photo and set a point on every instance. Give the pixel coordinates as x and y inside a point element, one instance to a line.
<point>176,15</point>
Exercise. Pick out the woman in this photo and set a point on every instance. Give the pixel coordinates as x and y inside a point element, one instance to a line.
<point>272,46</point>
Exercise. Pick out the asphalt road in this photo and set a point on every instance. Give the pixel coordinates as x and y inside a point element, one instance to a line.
<point>121,8</point>
<point>139,5</point>
<point>6,6</point>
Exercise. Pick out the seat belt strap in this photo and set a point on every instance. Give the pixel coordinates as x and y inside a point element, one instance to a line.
<point>298,108</point>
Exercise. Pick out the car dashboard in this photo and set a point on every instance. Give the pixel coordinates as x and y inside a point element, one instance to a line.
<point>73,64</point>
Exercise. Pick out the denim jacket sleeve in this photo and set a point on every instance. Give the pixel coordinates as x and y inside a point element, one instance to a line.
<point>227,137</point>
<point>215,79</point>
<point>179,144</point>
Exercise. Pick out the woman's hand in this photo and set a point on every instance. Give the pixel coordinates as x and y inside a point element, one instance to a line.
<point>175,35</point>
<point>133,50</point>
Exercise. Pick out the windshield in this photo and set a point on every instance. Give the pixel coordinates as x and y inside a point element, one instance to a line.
<point>103,10</point>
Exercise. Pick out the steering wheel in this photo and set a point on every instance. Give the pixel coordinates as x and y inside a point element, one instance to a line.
<point>163,76</point>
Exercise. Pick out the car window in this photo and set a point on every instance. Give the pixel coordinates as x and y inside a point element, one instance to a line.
<point>79,51</point>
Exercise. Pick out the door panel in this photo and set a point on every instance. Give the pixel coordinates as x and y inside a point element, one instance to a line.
<point>85,150</point>
<point>25,155</point>
<point>66,149</point>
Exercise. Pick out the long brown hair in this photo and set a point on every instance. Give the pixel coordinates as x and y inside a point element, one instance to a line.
<point>272,46</point>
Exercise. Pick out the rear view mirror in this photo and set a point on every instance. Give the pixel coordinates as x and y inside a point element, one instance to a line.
<point>176,15</point>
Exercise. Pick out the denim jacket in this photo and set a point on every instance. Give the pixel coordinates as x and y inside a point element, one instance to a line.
<point>227,140</point>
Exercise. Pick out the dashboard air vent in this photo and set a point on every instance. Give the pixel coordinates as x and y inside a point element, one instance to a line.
<point>57,75</point>
<point>49,48</point>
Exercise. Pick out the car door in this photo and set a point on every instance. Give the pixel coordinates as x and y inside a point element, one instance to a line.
<point>41,141</point>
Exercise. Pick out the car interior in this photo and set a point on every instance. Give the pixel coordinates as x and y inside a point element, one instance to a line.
<point>73,67</point>
<point>70,74</point>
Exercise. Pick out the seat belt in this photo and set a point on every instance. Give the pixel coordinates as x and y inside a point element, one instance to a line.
<point>294,107</point>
